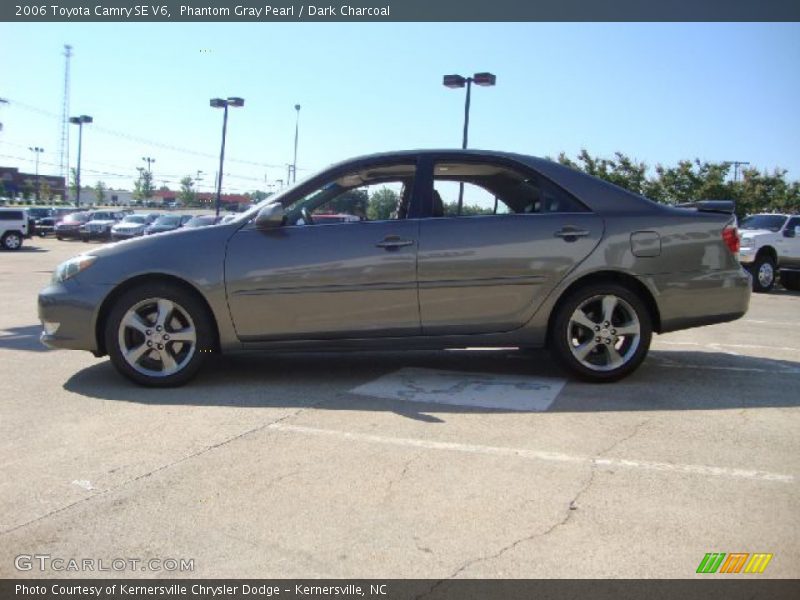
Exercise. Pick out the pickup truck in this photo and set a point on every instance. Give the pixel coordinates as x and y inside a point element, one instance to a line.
<point>770,245</point>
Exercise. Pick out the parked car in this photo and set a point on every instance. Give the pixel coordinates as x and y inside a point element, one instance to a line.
<point>771,245</point>
<point>70,226</point>
<point>46,225</point>
<point>14,227</point>
<point>167,223</point>
<point>99,225</point>
<point>132,225</point>
<point>201,221</point>
<point>554,257</point>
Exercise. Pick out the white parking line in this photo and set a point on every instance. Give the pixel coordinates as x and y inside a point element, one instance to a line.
<point>780,323</point>
<point>717,345</point>
<point>484,390</point>
<point>524,453</point>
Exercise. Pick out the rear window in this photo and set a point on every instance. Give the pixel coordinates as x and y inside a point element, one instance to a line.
<point>11,215</point>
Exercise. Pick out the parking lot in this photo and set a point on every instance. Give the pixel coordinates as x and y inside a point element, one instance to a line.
<point>323,465</point>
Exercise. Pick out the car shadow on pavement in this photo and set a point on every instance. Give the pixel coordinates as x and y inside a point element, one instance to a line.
<point>680,380</point>
<point>22,338</point>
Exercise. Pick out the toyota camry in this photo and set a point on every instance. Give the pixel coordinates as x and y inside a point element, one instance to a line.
<point>440,249</point>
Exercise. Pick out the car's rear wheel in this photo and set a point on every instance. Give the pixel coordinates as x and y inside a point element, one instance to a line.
<point>601,332</point>
<point>763,273</point>
<point>12,241</point>
<point>158,334</point>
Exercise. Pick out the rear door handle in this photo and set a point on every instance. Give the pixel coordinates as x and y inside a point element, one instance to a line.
<point>390,242</point>
<point>571,232</point>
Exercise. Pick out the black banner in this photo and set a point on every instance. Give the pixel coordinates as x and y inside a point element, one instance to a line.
<point>712,588</point>
<point>268,11</point>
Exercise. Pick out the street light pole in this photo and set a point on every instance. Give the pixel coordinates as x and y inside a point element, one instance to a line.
<point>37,151</point>
<point>224,104</point>
<point>79,121</point>
<point>149,161</point>
<point>457,81</point>
<point>296,131</point>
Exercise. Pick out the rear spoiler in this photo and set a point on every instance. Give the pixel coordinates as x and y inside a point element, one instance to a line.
<point>720,206</point>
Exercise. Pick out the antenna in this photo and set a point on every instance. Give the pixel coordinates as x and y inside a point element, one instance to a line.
<point>64,145</point>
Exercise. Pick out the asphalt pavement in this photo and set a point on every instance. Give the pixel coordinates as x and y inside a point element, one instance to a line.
<point>451,464</point>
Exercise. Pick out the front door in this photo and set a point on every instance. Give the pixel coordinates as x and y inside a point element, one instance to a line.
<point>343,265</point>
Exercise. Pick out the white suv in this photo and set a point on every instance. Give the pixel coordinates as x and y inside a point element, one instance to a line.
<point>13,227</point>
<point>770,243</point>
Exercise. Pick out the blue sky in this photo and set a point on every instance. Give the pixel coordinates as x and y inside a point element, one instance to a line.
<point>658,92</point>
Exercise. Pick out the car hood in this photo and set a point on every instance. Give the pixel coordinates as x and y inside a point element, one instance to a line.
<point>100,222</point>
<point>122,226</point>
<point>750,233</point>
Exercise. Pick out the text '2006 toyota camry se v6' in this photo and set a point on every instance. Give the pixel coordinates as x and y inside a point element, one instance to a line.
<point>440,249</point>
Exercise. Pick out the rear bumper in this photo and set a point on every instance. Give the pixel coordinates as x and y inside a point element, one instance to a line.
<point>696,299</point>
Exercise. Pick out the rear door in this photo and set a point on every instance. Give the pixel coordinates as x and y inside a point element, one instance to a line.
<point>491,252</point>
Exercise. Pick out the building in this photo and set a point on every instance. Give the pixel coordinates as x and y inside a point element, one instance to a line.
<point>15,182</point>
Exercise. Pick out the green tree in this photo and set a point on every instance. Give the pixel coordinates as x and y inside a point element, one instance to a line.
<point>100,192</point>
<point>27,189</point>
<point>45,192</point>
<point>353,202</point>
<point>382,204</point>
<point>143,187</point>
<point>187,195</point>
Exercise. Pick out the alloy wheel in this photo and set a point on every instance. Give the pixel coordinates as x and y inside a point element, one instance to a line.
<point>603,333</point>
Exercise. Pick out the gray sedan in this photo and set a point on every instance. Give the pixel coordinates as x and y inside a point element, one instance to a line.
<point>439,249</point>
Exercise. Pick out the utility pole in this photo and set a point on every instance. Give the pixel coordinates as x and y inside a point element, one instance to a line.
<point>64,146</point>
<point>736,164</point>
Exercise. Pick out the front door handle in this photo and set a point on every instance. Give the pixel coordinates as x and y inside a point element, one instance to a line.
<point>570,234</point>
<point>390,242</point>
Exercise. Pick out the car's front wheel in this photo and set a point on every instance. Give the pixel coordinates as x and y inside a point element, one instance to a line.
<point>158,334</point>
<point>763,273</point>
<point>601,332</point>
<point>12,241</point>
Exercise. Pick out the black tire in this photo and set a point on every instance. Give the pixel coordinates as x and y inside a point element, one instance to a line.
<point>59,238</point>
<point>188,312</point>
<point>763,272</point>
<point>568,337</point>
<point>791,280</point>
<point>12,241</point>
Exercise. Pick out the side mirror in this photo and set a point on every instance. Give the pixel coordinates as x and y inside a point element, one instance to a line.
<point>271,216</point>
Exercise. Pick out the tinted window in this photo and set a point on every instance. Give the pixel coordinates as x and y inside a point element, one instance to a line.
<point>371,194</point>
<point>11,215</point>
<point>474,189</point>
<point>771,222</point>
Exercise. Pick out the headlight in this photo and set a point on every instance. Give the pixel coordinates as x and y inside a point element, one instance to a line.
<point>72,267</point>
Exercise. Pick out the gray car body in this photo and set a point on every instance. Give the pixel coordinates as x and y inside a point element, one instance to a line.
<point>466,281</point>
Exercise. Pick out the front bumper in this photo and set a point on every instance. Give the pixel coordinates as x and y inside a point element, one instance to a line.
<point>117,236</point>
<point>74,307</point>
<point>747,255</point>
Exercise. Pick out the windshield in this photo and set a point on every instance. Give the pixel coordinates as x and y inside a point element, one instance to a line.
<point>771,222</point>
<point>134,219</point>
<point>167,220</point>
<point>76,218</point>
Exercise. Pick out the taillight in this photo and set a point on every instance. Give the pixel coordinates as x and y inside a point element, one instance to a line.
<point>731,238</point>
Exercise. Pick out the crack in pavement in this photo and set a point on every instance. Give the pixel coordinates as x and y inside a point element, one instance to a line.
<point>160,468</point>
<point>400,477</point>
<point>571,508</point>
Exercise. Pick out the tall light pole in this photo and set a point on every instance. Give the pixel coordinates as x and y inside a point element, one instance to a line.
<point>149,161</point>
<point>457,81</point>
<point>224,104</point>
<point>296,131</point>
<point>37,151</point>
<point>79,121</point>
